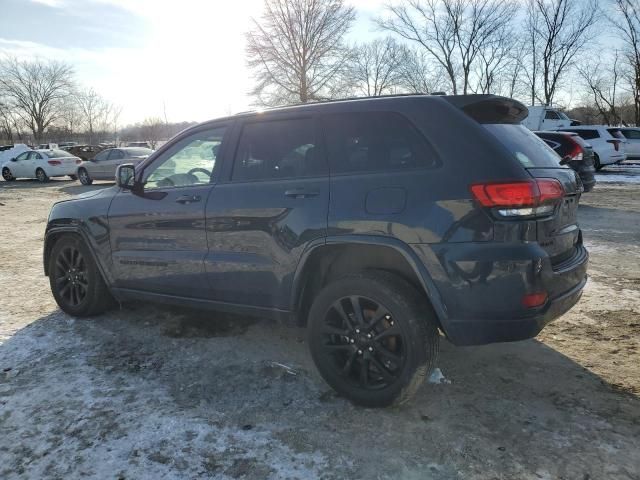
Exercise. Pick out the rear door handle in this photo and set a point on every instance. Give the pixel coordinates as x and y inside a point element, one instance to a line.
<point>187,199</point>
<point>301,193</point>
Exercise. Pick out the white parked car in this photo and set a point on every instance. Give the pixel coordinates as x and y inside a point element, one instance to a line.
<point>547,118</point>
<point>607,142</point>
<point>103,165</point>
<point>632,135</point>
<point>41,164</point>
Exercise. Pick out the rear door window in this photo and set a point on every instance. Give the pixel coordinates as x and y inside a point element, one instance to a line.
<point>278,149</point>
<point>631,134</point>
<point>616,133</point>
<point>375,142</point>
<point>530,150</point>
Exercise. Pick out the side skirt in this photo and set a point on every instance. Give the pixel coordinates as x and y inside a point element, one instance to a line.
<point>125,294</point>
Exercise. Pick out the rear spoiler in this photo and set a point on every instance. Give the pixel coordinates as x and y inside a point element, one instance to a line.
<point>490,108</point>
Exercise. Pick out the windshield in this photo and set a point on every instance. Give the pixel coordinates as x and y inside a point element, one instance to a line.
<point>56,153</point>
<point>530,150</point>
<point>138,152</point>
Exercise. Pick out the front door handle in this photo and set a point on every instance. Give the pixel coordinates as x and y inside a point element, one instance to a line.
<point>301,193</point>
<point>187,199</point>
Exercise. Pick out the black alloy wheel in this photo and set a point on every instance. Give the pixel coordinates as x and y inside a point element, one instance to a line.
<point>366,345</point>
<point>71,276</point>
<point>373,337</point>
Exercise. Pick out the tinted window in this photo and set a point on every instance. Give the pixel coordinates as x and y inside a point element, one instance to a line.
<point>277,149</point>
<point>23,156</point>
<point>631,134</point>
<point>585,134</point>
<point>101,156</point>
<point>369,142</point>
<point>528,148</point>
<point>551,115</point>
<point>615,133</point>
<point>56,153</point>
<point>189,162</point>
<point>116,155</point>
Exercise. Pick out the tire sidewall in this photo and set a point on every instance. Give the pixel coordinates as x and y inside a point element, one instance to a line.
<point>41,178</point>
<point>93,276</point>
<point>83,175</point>
<point>402,311</point>
<point>9,177</point>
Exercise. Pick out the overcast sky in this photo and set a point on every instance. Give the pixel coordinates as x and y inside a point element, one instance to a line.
<point>186,54</point>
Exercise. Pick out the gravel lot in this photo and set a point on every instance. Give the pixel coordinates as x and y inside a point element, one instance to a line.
<point>156,393</point>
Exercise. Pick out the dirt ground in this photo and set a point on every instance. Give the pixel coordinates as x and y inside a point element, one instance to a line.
<point>156,393</point>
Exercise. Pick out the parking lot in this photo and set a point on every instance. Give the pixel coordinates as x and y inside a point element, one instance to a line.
<point>150,392</point>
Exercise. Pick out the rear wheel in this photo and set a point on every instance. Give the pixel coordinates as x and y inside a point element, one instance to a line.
<point>41,175</point>
<point>7,175</point>
<point>84,177</point>
<point>596,162</point>
<point>373,338</point>
<point>75,280</point>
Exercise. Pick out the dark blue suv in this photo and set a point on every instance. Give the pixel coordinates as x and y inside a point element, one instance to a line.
<point>380,224</point>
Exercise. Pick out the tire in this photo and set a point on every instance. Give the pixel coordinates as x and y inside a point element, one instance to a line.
<point>73,177</point>
<point>596,162</point>
<point>84,177</point>
<point>373,364</point>
<point>7,175</point>
<point>41,175</point>
<point>76,282</point>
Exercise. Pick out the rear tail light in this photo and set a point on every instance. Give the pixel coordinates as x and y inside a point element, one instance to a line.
<point>54,162</point>
<point>616,144</point>
<point>576,151</point>
<point>517,199</point>
<point>533,300</point>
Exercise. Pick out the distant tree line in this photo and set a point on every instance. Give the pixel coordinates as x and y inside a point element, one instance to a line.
<point>530,50</point>
<point>40,101</point>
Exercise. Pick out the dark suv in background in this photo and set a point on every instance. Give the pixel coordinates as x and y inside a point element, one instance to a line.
<point>367,220</point>
<point>574,152</point>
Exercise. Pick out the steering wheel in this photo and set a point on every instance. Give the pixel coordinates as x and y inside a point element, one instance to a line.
<point>199,170</point>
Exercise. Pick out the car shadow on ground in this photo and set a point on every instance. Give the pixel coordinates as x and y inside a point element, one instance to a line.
<point>519,410</point>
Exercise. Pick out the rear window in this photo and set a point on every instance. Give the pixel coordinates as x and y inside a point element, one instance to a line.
<point>529,149</point>
<point>56,153</point>
<point>138,152</point>
<point>615,133</point>
<point>361,142</point>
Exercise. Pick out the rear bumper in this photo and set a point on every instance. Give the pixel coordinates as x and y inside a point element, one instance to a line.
<point>481,287</point>
<point>487,331</point>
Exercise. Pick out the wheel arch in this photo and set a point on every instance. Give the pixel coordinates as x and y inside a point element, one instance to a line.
<point>54,234</point>
<point>338,256</point>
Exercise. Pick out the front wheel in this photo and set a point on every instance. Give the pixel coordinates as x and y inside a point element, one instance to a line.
<point>7,175</point>
<point>373,338</point>
<point>76,282</point>
<point>84,177</point>
<point>41,175</point>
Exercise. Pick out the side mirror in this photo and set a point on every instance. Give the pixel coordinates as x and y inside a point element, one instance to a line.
<point>125,176</point>
<point>13,160</point>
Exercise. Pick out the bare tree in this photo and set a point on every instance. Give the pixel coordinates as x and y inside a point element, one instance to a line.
<point>603,84</point>
<point>95,112</point>
<point>453,32</point>
<point>627,22</point>
<point>153,130</point>
<point>376,66</point>
<point>418,74</point>
<point>296,50</point>
<point>35,90</point>
<point>557,31</point>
